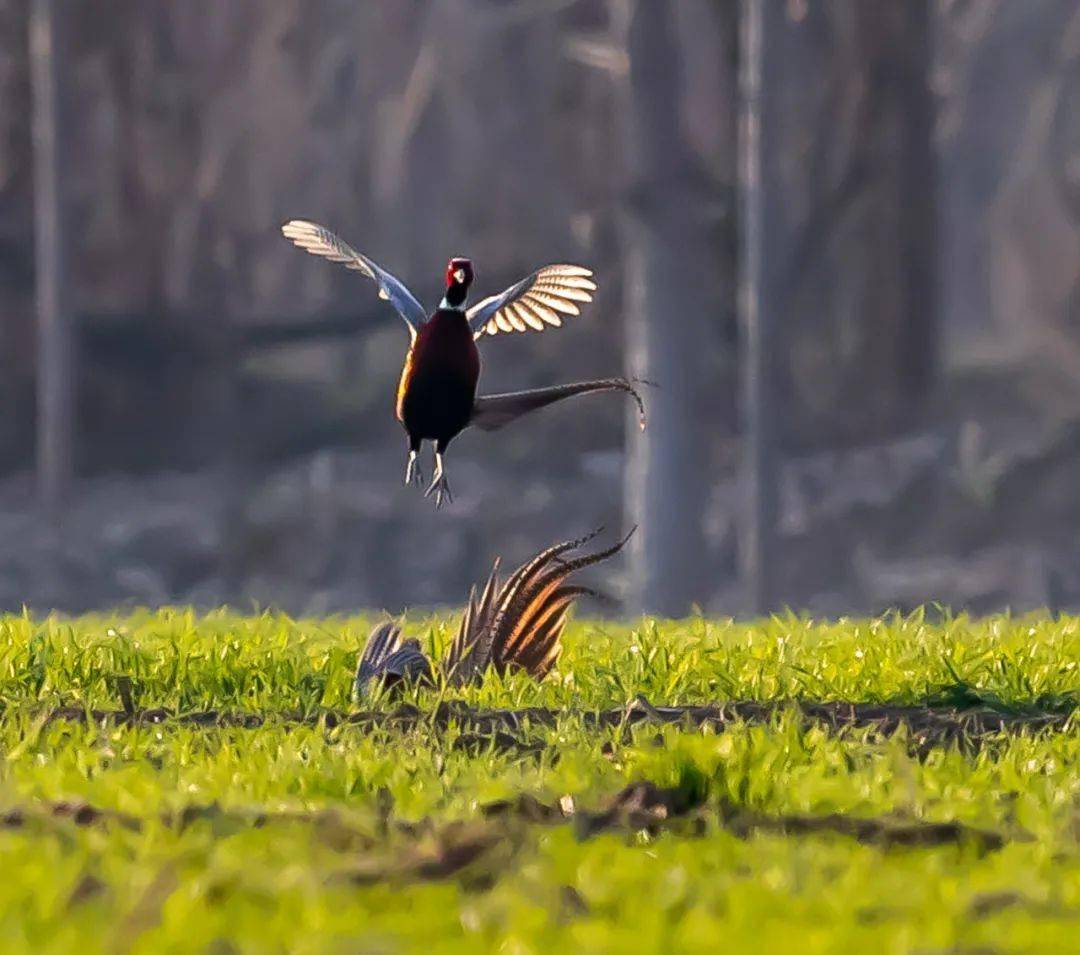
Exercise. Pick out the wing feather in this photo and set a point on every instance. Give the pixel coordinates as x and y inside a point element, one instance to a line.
<point>527,309</point>
<point>516,317</point>
<point>502,322</point>
<point>553,301</point>
<point>578,270</point>
<point>319,240</point>
<point>540,311</point>
<point>534,302</point>
<point>566,293</point>
<point>389,660</point>
<point>568,282</point>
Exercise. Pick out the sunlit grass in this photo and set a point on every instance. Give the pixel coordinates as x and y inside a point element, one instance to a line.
<point>224,883</point>
<point>178,660</point>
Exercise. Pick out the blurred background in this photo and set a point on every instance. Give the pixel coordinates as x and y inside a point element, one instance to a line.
<point>842,237</point>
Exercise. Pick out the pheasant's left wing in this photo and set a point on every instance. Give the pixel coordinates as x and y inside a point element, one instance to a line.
<point>389,660</point>
<point>535,303</point>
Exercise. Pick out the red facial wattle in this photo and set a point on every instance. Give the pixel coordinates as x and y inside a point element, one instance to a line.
<point>459,272</point>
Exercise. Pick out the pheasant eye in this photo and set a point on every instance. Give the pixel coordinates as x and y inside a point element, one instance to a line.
<point>459,275</point>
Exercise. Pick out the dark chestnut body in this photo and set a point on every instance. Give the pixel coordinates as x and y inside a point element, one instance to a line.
<point>438,383</point>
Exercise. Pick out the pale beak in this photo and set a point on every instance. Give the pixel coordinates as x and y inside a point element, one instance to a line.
<point>459,276</point>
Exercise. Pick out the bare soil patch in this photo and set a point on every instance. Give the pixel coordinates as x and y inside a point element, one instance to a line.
<point>474,849</point>
<point>927,726</point>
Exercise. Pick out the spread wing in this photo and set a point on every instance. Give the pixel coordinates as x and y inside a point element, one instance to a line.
<point>534,303</point>
<point>388,659</point>
<point>318,240</point>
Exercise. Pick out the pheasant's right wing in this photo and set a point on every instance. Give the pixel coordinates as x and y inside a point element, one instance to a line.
<point>318,240</point>
<point>388,659</point>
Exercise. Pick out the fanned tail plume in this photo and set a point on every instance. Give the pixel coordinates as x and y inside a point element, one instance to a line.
<point>516,624</point>
<point>491,412</point>
<point>520,623</point>
<point>470,653</point>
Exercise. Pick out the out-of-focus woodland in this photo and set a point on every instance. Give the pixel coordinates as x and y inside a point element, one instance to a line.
<point>233,429</point>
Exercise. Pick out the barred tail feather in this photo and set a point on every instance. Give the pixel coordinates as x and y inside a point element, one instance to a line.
<point>470,652</point>
<point>512,625</point>
<point>519,625</point>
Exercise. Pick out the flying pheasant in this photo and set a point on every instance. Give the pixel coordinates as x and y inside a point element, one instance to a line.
<point>436,397</point>
<point>516,623</point>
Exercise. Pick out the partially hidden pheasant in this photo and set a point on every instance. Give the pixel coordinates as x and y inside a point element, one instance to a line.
<point>436,397</point>
<point>512,624</point>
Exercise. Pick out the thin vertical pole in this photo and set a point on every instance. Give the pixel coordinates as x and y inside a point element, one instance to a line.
<point>756,311</point>
<point>54,331</point>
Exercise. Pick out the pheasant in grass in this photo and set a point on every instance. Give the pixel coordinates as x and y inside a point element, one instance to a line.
<point>436,397</point>
<point>513,624</point>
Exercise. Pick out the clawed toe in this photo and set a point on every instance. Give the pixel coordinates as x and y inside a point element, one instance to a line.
<point>441,488</point>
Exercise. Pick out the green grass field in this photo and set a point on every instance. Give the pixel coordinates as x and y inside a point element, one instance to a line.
<point>139,812</point>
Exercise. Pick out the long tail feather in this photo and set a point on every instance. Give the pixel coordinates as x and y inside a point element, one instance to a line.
<point>519,625</point>
<point>541,560</point>
<point>542,586</point>
<point>470,652</point>
<point>491,412</point>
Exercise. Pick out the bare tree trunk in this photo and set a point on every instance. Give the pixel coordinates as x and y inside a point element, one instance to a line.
<point>758,274</point>
<point>852,172</point>
<point>54,346</point>
<point>666,239</point>
<point>837,241</point>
